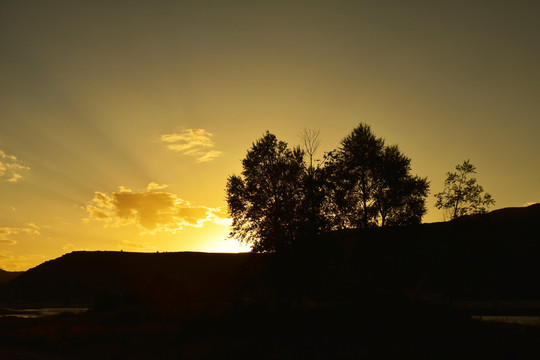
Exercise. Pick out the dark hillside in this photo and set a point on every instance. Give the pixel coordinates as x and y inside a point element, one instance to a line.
<point>81,278</point>
<point>493,256</point>
<point>376,293</point>
<point>489,256</point>
<point>6,276</point>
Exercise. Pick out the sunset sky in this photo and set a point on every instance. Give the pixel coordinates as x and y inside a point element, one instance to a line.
<point>120,121</point>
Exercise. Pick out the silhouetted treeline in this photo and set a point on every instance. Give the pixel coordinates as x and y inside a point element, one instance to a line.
<point>281,200</point>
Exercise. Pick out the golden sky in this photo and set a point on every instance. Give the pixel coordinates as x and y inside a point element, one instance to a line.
<point>120,121</point>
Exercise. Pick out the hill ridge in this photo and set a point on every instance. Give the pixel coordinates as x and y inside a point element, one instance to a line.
<point>487,256</point>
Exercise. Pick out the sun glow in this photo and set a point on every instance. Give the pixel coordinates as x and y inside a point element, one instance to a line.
<point>101,101</point>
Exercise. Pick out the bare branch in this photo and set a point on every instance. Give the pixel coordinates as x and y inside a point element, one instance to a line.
<point>310,142</point>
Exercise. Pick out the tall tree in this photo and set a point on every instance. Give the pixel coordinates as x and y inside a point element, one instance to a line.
<point>462,195</point>
<point>369,184</point>
<point>351,178</point>
<point>400,197</point>
<point>265,200</point>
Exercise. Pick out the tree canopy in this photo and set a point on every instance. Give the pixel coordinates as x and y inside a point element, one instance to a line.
<point>369,184</point>
<point>264,200</point>
<point>280,200</point>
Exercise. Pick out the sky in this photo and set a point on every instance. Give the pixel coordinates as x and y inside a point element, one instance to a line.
<point>120,121</point>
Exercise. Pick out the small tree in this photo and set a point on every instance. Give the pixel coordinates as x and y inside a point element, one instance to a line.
<point>310,143</point>
<point>462,195</point>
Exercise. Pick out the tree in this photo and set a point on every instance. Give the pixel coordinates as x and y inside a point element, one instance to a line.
<point>350,179</point>
<point>399,196</point>
<point>312,186</point>
<point>462,195</point>
<point>265,201</point>
<point>310,142</point>
<point>369,184</point>
<point>280,201</point>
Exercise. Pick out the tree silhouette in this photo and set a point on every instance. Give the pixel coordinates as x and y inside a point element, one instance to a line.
<point>369,184</point>
<point>265,201</point>
<point>313,189</point>
<point>310,142</point>
<point>399,196</point>
<point>280,201</point>
<point>350,174</point>
<point>462,195</point>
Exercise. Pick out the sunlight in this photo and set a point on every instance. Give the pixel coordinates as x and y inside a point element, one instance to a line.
<point>209,238</point>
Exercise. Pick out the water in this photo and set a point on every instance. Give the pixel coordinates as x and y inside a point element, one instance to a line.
<point>40,312</point>
<point>520,320</point>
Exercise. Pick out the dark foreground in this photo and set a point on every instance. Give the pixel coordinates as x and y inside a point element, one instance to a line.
<point>377,329</point>
<point>404,292</point>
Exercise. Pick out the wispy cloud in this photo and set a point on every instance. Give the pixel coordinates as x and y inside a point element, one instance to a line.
<point>192,142</point>
<point>11,168</point>
<point>12,261</point>
<point>7,234</point>
<point>137,246</point>
<point>67,248</point>
<point>151,209</point>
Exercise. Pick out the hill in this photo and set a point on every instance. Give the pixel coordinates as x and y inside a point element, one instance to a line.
<point>6,276</point>
<point>493,256</point>
<point>487,256</point>
<point>375,293</point>
<point>82,278</point>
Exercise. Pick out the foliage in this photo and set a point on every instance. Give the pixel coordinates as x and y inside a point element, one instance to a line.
<point>281,200</point>
<point>369,184</point>
<point>400,197</point>
<point>265,200</point>
<point>351,178</point>
<point>462,195</point>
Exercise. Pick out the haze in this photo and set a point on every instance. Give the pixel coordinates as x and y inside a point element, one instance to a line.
<point>121,121</point>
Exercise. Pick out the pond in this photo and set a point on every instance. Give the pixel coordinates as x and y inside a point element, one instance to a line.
<point>520,320</point>
<point>39,312</point>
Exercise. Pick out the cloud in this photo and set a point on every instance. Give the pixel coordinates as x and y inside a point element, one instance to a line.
<point>67,248</point>
<point>7,233</point>
<point>10,168</point>
<point>15,262</point>
<point>137,246</point>
<point>192,142</point>
<point>151,209</point>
